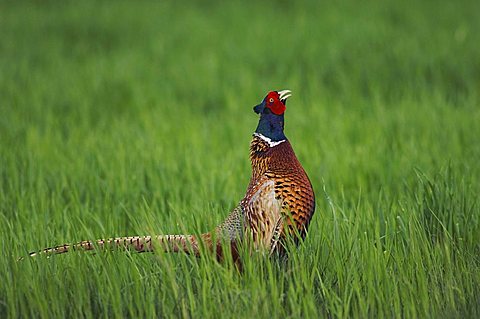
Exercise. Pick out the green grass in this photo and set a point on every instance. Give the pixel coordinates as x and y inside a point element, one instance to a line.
<point>121,118</point>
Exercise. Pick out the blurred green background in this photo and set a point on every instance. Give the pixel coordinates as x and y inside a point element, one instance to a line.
<point>121,118</point>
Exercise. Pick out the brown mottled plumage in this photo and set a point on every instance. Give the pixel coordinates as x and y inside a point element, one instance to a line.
<point>279,194</point>
<point>279,201</point>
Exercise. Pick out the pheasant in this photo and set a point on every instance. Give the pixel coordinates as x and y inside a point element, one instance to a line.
<point>279,201</point>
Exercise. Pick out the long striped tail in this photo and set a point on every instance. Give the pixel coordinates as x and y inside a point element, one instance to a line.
<point>170,243</point>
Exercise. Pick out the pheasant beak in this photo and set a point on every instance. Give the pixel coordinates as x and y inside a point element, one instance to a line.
<point>284,95</point>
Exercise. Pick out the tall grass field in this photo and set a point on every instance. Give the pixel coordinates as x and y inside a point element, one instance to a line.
<point>134,118</point>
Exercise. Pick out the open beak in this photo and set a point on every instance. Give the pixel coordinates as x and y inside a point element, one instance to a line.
<point>284,95</point>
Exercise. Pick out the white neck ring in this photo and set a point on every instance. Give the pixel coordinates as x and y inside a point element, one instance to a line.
<point>268,140</point>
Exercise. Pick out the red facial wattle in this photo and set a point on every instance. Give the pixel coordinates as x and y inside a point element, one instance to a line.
<point>273,102</point>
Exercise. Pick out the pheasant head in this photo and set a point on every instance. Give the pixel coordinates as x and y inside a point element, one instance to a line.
<point>271,110</point>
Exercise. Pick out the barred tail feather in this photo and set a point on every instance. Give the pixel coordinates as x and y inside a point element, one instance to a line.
<point>170,243</point>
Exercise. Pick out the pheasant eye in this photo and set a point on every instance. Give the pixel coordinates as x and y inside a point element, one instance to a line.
<point>271,100</point>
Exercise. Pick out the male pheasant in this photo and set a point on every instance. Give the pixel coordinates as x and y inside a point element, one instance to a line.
<point>279,201</point>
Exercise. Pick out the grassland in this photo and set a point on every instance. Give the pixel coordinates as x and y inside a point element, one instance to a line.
<point>121,118</point>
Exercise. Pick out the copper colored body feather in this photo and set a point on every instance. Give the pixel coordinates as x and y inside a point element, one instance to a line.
<point>279,199</point>
<point>279,202</point>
